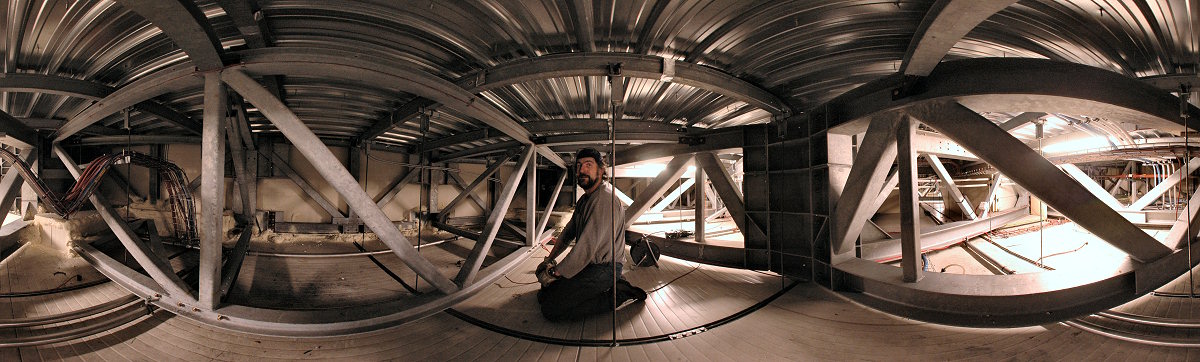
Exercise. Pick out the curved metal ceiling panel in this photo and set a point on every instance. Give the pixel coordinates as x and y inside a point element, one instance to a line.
<point>804,51</point>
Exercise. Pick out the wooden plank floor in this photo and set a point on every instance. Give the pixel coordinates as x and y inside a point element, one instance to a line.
<point>807,323</point>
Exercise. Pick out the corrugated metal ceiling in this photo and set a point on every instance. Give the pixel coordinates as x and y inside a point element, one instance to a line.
<point>805,52</point>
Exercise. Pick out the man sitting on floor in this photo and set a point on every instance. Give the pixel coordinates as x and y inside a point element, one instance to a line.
<point>582,284</point>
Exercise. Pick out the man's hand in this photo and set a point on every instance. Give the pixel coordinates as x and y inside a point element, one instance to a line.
<point>545,272</point>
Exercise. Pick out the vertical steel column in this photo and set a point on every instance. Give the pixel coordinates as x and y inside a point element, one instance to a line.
<point>910,224</point>
<point>699,189</point>
<point>212,189</point>
<point>532,234</point>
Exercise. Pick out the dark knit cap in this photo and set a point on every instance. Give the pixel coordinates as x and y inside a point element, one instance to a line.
<point>590,152</point>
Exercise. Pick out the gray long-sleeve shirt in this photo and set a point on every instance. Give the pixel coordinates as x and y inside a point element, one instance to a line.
<point>593,224</point>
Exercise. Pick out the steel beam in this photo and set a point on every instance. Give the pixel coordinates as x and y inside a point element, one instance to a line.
<point>910,221</point>
<point>16,133</point>
<point>470,268</point>
<point>388,74</point>
<point>316,196</point>
<point>893,180</point>
<point>184,23</point>
<point>1186,226</point>
<point>531,204</point>
<point>553,202</point>
<point>170,115</point>
<point>156,244</point>
<point>123,139</point>
<point>331,170</point>
<point>621,196</point>
<point>155,265</point>
<point>53,84</point>
<point>960,200</point>
<point>581,13</point>
<point>1020,120</point>
<point>985,207</point>
<point>937,215</point>
<point>570,139</point>
<point>1091,186</point>
<point>1039,176</point>
<point>10,183</point>
<point>593,125</point>
<point>698,193</point>
<point>926,143</point>
<point>719,141</point>
<point>397,185</point>
<point>397,117</point>
<point>672,196</point>
<point>53,124</point>
<point>457,138</point>
<point>1171,82</point>
<point>174,79</point>
<point>727,190</point>
<point>947,22</point>
<point>233,265</point>
<point>241,128</point>
<point>212,189</point>
<point>461,185</point>
<point>664,179</point>
<point>1151,196</point>
<point>1005,84</point>
<point>299,323</point>
<point>876,153</point>
<point>241,172</point>
<point>935,237</point>
<point>632,65</point>
<point>241,12</point>
<point>470,189</point>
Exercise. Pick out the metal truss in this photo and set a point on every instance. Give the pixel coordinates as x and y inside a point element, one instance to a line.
<point>166,290</point>
<point>1007,300</point>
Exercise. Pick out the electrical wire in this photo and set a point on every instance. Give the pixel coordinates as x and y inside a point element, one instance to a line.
<point>697,267</point>
<point>182,204</point>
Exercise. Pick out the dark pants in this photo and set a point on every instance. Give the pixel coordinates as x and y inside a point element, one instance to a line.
<point>588,293</point>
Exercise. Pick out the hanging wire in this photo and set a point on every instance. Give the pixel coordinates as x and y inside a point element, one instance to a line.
<point>1041,205</point>
<point>1184,98</point>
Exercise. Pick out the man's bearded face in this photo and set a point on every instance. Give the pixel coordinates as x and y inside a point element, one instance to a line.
<point>587,173</point>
